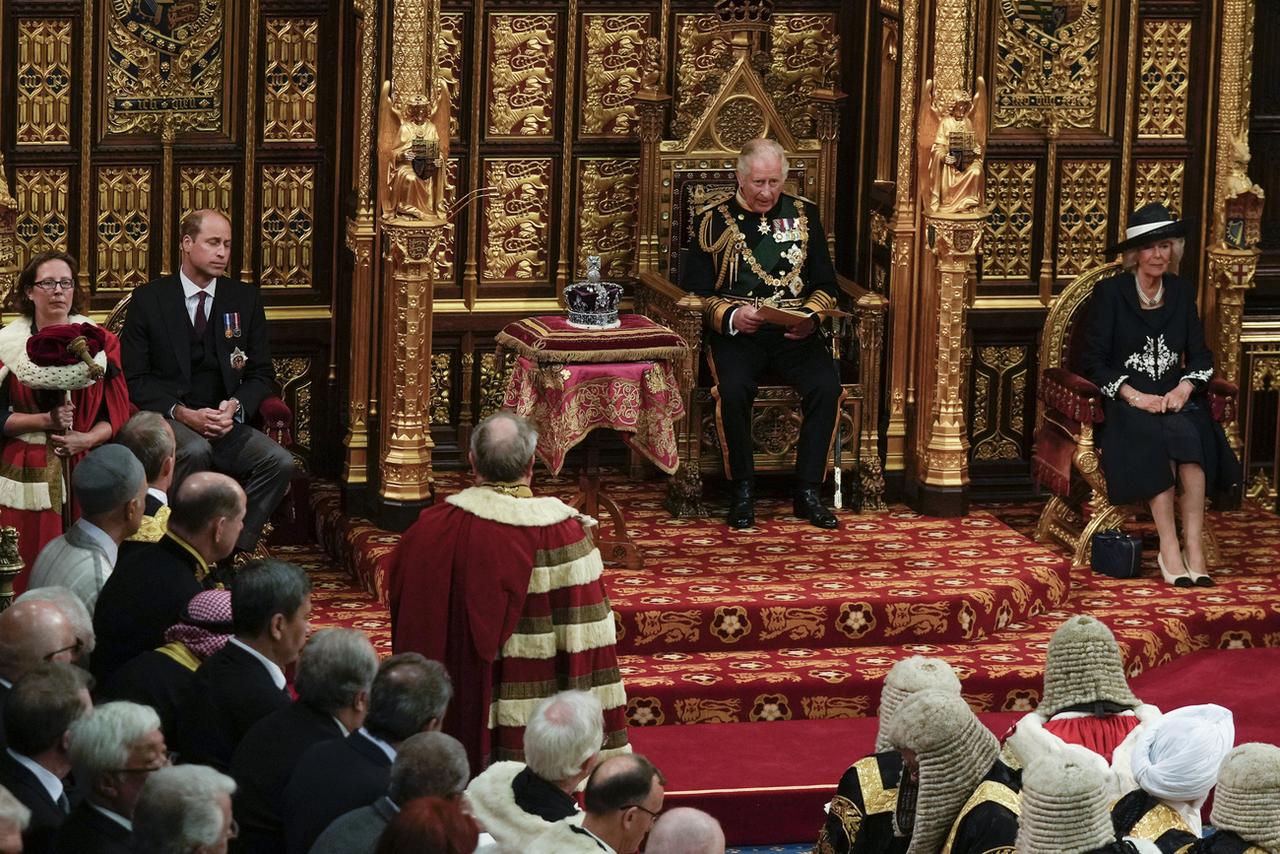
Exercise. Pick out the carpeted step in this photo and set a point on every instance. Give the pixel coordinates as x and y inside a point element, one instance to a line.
<point>1153,623</point>
<point>883,579</point>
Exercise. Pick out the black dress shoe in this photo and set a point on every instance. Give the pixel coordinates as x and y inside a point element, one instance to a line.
<point>742,506</point>
<point>809,506</point>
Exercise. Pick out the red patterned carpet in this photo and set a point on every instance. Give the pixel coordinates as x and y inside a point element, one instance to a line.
<point>789,622</point>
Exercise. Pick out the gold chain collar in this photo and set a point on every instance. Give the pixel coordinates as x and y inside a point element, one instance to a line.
<point>791,279</point>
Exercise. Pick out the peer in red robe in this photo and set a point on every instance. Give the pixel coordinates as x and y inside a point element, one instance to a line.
<point>32,478</point>
<point>505,590</point>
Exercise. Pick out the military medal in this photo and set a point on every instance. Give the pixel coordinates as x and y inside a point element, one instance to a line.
<point>238,359</point>
<point>764,224</point>
<point>231,325</point>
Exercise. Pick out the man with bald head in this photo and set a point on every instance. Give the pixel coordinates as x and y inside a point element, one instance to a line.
<point>150,589</point>
<point>195,350</point>
<point>32,632</point>
<point>623,800</point>
<point>494,574</point>
<point>685,830</point>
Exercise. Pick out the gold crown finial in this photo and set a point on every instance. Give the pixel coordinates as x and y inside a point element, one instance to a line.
<point>745,15</point>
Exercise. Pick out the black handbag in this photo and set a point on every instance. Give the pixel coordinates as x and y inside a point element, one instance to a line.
<point>1116,554</point>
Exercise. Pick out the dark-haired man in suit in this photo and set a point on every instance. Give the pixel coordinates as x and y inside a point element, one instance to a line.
<point>195,349</point>
<point>38,715</point>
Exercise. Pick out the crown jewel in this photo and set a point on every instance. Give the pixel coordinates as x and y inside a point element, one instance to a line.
<point>593,304</point>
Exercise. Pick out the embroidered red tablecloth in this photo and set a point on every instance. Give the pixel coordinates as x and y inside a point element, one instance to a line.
<point>641,400</point>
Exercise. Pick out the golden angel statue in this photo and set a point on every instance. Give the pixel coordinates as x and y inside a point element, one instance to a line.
<point>954,127</point>
<point>413,156</point>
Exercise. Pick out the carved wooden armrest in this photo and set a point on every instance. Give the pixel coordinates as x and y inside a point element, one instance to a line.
<point>663,301</point>
<point>1072,395</point>
<point>1222,399</point>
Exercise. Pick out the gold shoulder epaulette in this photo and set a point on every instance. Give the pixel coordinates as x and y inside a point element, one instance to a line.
<point>714,200</point>
<point>801,198</point>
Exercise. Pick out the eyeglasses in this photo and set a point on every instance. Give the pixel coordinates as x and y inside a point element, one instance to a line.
<point>51,285</point>
<point>652,814</point>
<point>75,649</point>
<point>166,759</point>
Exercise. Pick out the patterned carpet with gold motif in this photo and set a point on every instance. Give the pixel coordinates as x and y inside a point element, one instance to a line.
<point>786,621</point>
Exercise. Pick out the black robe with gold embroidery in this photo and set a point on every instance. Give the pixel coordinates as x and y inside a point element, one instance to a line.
<point>1224,842</point>
<point>1142,816</point>
<point>861,817</point>
<point>988,822</point>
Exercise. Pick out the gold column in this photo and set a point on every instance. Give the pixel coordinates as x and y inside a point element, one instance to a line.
<point>651,108</point>
<point>953,238</point>
<point>1231,271</point>
<point>361,239</point>
<point>1237,201</point>
<point>902,231</point>
<point>8,234</point>
<point>409,278</point>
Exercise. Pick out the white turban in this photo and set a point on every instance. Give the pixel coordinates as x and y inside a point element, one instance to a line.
<point>1177,758</point>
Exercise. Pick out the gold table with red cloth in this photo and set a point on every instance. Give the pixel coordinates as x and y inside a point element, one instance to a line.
<point>637,397</point>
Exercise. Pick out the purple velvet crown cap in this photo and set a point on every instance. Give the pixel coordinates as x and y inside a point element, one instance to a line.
<point>593,304</point>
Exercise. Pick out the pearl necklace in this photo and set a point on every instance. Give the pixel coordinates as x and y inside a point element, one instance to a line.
<point>1150,302</point>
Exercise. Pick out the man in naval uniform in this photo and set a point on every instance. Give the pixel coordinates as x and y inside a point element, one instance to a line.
<point>764,245</point>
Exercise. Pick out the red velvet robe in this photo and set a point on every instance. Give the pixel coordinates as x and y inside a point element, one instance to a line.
<point>26,463</point>
<point>481,582</point>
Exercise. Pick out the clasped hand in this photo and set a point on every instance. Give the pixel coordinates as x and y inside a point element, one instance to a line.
<point>209,422</point>
<point>1173,401</point>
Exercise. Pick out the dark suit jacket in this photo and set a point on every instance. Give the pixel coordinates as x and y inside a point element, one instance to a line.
<point>356,832</point>
<point>156,344</point>
<point>261,766</point>
<point>4,698</point>
<point>88,831</point>
<point>46,815</point>
<point>230,693</point>
<point>332,778</point>
<point>146,594</point>
<point>152,679</point>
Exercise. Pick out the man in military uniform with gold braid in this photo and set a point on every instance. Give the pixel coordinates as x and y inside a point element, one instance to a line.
<point>764,246</point>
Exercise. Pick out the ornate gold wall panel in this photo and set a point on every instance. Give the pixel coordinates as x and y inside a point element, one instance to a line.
<point>289,95</point>
<point>42,196</point>
<point>124,227</point>
<point>43,83</point>
<point>522,75</point>
<point>607,207</point>
<point>516,228</point>
<point>1084,194</point>
<point>410,26</point>
<point>701,57</point>
<point>205,187</point>
<point>164,59</point>
<point>292,374</point>
<point>447,251</point>
<point>806,56</point>
<point>1011,198</point>
<point>1163,78</point>
<point>611,71</point>
<point>441,388</point>
<point>1159,181</point>
<point>998,430</point>
<point>453,62</point>
<point>288,225</point>
<point>1049,54</point>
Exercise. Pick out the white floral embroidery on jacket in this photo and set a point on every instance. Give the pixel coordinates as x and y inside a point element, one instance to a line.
<point>1154,360</point>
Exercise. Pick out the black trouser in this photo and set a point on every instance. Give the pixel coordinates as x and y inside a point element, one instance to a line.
<point>739,361</point>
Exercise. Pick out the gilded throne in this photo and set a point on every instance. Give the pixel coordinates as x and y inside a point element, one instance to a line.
<point>676,176</point>
<point>1066,459</point>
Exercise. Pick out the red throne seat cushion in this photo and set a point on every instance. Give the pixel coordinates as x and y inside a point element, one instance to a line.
<point>550,338</point>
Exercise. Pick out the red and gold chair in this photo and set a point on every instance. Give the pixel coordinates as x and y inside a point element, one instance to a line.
<point>1066,460</point>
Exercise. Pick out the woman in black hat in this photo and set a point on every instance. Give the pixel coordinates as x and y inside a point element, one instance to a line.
<point>1145,349</point>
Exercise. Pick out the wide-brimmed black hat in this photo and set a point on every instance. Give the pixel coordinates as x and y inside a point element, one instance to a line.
<point>1149,224</point>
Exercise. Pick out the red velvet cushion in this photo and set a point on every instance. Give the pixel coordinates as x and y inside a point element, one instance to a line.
<point>48,347</point>
<point>550,338</point>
